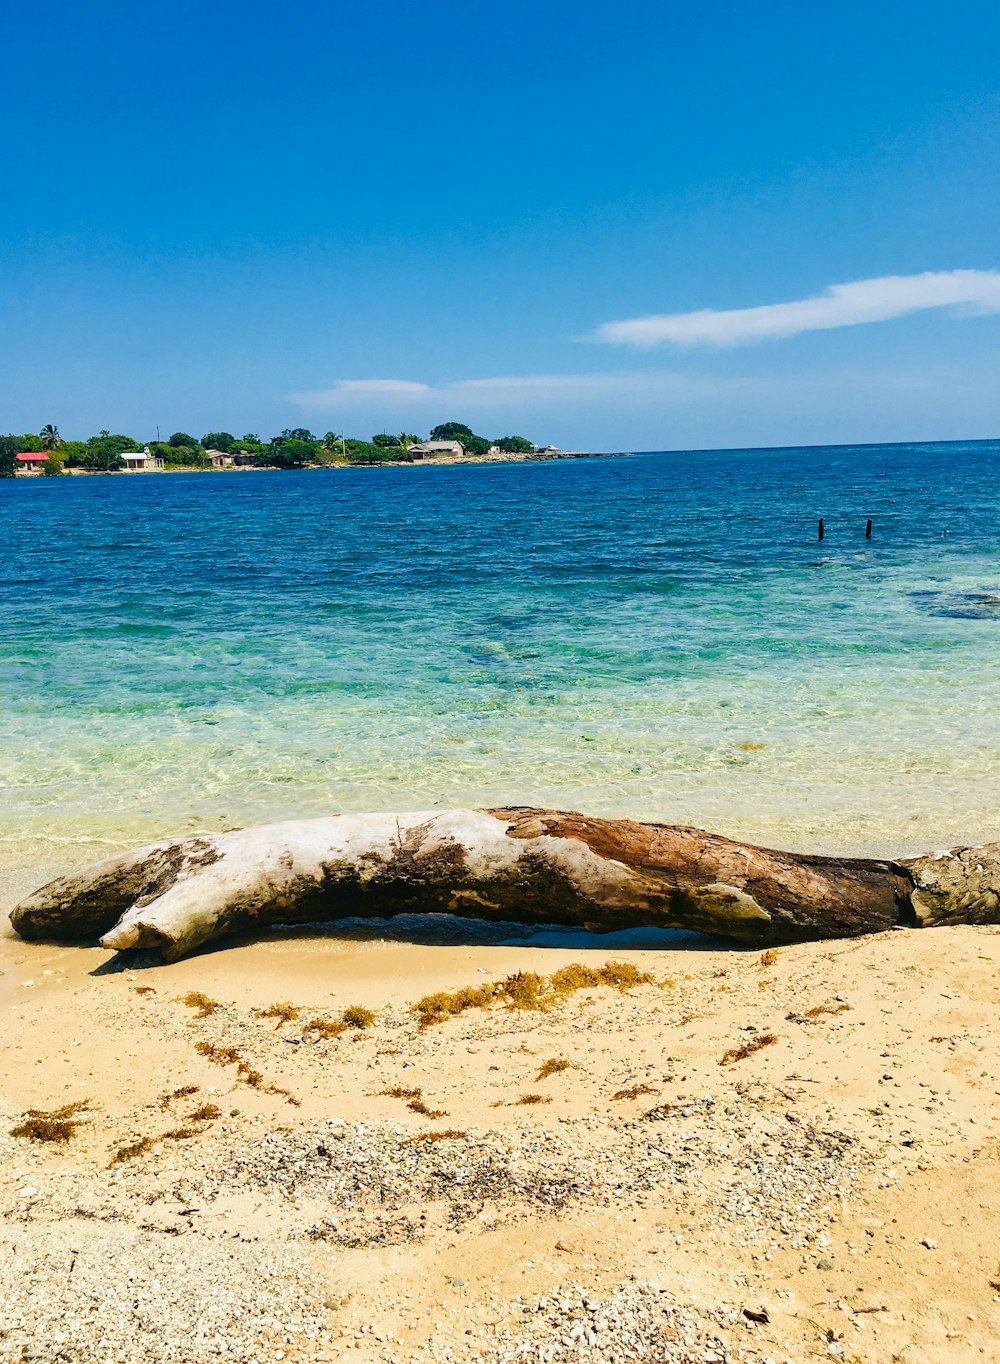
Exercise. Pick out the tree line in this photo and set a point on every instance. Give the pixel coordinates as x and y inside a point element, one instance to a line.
<point>292,449</point>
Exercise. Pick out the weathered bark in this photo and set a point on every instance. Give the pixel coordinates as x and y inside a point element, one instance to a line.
<point>958,886</point>
<point>521,864</point>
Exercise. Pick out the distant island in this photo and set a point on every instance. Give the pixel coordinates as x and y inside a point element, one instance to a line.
<point>46,453</point>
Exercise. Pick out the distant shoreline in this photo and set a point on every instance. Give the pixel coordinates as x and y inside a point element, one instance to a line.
<point>536,457</point>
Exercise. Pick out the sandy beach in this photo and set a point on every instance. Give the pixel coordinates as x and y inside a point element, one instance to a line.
<point>592,1180</point>
<point>742,1158</point>
<point>652,719</point>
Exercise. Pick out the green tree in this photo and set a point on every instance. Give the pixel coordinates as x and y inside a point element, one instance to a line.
<point>251,438</point>
<point>185,456</point>
<point>218,440</point>
<point>106,442</point>
<point>476,445</point>
<point>285,454</point>
<point>299,433</point>
<point>182,438</point>
<point>100,460</point>
<point>386,441</point>
<point>451,431</point>
<point>364,452</point>
<point>53,467</point>
<point>29,442</point>
<point>9,447</point>
<point>514,445</point>
<point>72,451</point>
<point>102,453</point>
<point>50,437</point>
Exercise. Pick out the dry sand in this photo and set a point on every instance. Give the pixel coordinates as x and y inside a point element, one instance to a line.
<point>840,1183</point>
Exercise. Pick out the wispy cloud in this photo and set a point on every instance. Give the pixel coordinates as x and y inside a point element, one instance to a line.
<point>657,407</point>
<point>842,305</point>
<point>381,388</point>
<point>513,390</point>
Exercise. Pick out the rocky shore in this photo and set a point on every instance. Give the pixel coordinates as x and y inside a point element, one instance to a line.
<point>267,1153</point>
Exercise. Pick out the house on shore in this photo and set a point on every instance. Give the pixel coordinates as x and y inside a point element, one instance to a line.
<point>436,447</point>
<point>141,461</point>
<point>30,461</point>
<point>219,459</point>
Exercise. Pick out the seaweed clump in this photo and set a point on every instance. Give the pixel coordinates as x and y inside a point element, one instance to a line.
<point>133,1149</point>
<point>437,1007</point>
<point>633,1092</point>
<point>355,1016</point>
<point>745,1049</point>
<point>814,1014</point>
<point>205,1005</point>
<point>529,990</point>
<point>554,1066</point>
<point>205,1113</point>
<point>284,1013</point>
<point>418,1106</point>
<point>182,1093</point>
<point>415,1101</point>
<point>58,1126</point>
<point>447,1134</point>
<point>619,975</point>
<point>247,1074</point>
<point>325,1027</point>
<point>221,1056</point>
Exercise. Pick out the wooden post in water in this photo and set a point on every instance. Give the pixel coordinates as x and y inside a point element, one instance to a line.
<point>868,529</point>
<point>821,527</point>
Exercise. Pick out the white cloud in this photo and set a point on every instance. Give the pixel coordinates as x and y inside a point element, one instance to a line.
<point>843,305</point>
<point>657,408</point>
<point>515,390</point>
<point>352,388</point>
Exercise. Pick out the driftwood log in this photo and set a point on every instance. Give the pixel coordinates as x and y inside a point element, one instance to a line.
<point>520,864</point>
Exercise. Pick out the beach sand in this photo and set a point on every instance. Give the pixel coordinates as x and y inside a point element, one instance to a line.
<point>839,1184</point>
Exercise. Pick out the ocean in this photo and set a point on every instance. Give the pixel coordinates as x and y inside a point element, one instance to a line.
<point>660,636</point>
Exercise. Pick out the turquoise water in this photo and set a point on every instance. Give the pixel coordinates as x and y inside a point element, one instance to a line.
<point>660,636</point>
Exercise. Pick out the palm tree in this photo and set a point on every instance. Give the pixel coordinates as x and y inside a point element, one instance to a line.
<point>50,437</point>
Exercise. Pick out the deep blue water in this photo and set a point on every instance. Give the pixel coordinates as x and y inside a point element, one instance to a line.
<point>661,635</point>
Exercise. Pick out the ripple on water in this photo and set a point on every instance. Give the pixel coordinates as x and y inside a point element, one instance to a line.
<point>627,637</point>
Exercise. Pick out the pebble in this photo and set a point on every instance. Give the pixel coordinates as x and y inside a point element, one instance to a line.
<point>760,1180</point>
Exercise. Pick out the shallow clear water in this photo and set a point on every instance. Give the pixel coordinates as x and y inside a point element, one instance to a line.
<point>661,636</point>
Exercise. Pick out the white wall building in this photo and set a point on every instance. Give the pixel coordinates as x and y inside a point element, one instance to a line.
<point>437,447</point>
<point>141,461</point>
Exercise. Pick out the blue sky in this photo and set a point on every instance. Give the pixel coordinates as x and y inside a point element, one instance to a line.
<point>251,216</point>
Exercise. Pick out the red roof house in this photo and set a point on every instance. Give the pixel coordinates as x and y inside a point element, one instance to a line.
<point>31,459</point>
